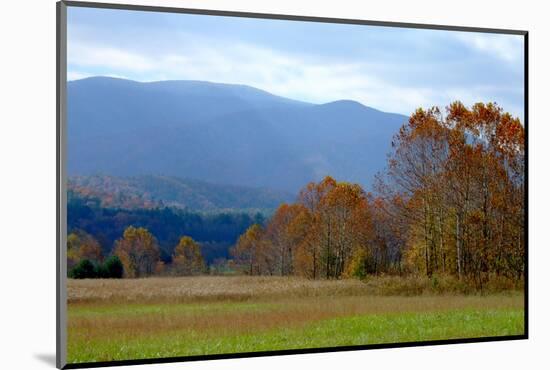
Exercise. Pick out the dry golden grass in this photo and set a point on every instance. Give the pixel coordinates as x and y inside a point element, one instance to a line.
<point>207,288</point>
<point>243,288</point>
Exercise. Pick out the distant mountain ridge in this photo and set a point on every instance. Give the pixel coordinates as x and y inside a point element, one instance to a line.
<point>222,134</point>
<point>155,191</point>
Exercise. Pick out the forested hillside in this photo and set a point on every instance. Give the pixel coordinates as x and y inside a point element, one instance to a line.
<point>103,226</point>
<point>155,191</point>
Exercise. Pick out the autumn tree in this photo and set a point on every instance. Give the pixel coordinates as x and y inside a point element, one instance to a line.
<point>307,261</point>
<point>283,234</point>
<point>494,219</point>
<point>249,252</point>
<point>138,251</point>
<point>390,227</point>
<point>187,258</point>
<point>82,246</point>
<point>316,237</point>
<point>345,214</point>
<point>461,179</point>
<point>416,168</point>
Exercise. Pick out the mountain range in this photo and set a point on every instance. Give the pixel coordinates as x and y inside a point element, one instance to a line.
<point>232,135</point>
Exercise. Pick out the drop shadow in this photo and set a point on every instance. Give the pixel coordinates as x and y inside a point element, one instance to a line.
<point>47,358</point>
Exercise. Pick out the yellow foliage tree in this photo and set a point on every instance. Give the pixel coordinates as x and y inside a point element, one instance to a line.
<point>187,258</point>
<point>138,251</point>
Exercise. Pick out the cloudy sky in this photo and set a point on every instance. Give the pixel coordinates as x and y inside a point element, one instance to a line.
<point>391,69</point>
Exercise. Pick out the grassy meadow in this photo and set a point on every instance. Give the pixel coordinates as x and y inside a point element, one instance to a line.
<point>110,319</point>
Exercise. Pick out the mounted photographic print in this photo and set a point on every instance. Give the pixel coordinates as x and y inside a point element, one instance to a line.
<point>236,184</point>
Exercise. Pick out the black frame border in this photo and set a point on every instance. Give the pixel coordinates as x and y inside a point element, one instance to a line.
<point>61,64</point>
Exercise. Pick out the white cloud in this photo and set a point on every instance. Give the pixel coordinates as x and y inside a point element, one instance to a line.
<point>75,75</point>
<point>115,58</point>
<point>484,94</point>
<point>505,47</point>
<point>290,75</point>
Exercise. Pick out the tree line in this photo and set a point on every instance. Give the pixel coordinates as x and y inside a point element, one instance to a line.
<point>216,232</point>
<point>451,201</point>
<point>136,254</point>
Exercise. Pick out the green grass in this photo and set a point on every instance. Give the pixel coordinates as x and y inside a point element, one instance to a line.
<point>375,329</point>
<point>342,331</point>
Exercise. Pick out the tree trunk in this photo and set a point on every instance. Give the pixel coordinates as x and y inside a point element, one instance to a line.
<point>458,247</point>
<point>426,242</point>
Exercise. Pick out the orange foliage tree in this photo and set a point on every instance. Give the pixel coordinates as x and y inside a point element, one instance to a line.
<point>250,252</point>
<point>461,178</point>
<point>316,237</point>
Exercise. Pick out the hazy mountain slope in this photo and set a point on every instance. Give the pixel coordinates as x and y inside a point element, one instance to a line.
<point>158,191</point>
<point>226,134</point>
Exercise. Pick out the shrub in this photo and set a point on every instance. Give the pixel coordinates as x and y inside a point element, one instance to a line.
<point>357,266</point>
<point>86,269</point>
<point>83,270</point>
<point>112,268</point>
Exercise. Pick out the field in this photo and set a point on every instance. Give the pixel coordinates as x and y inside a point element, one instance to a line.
<point>166,317</point>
